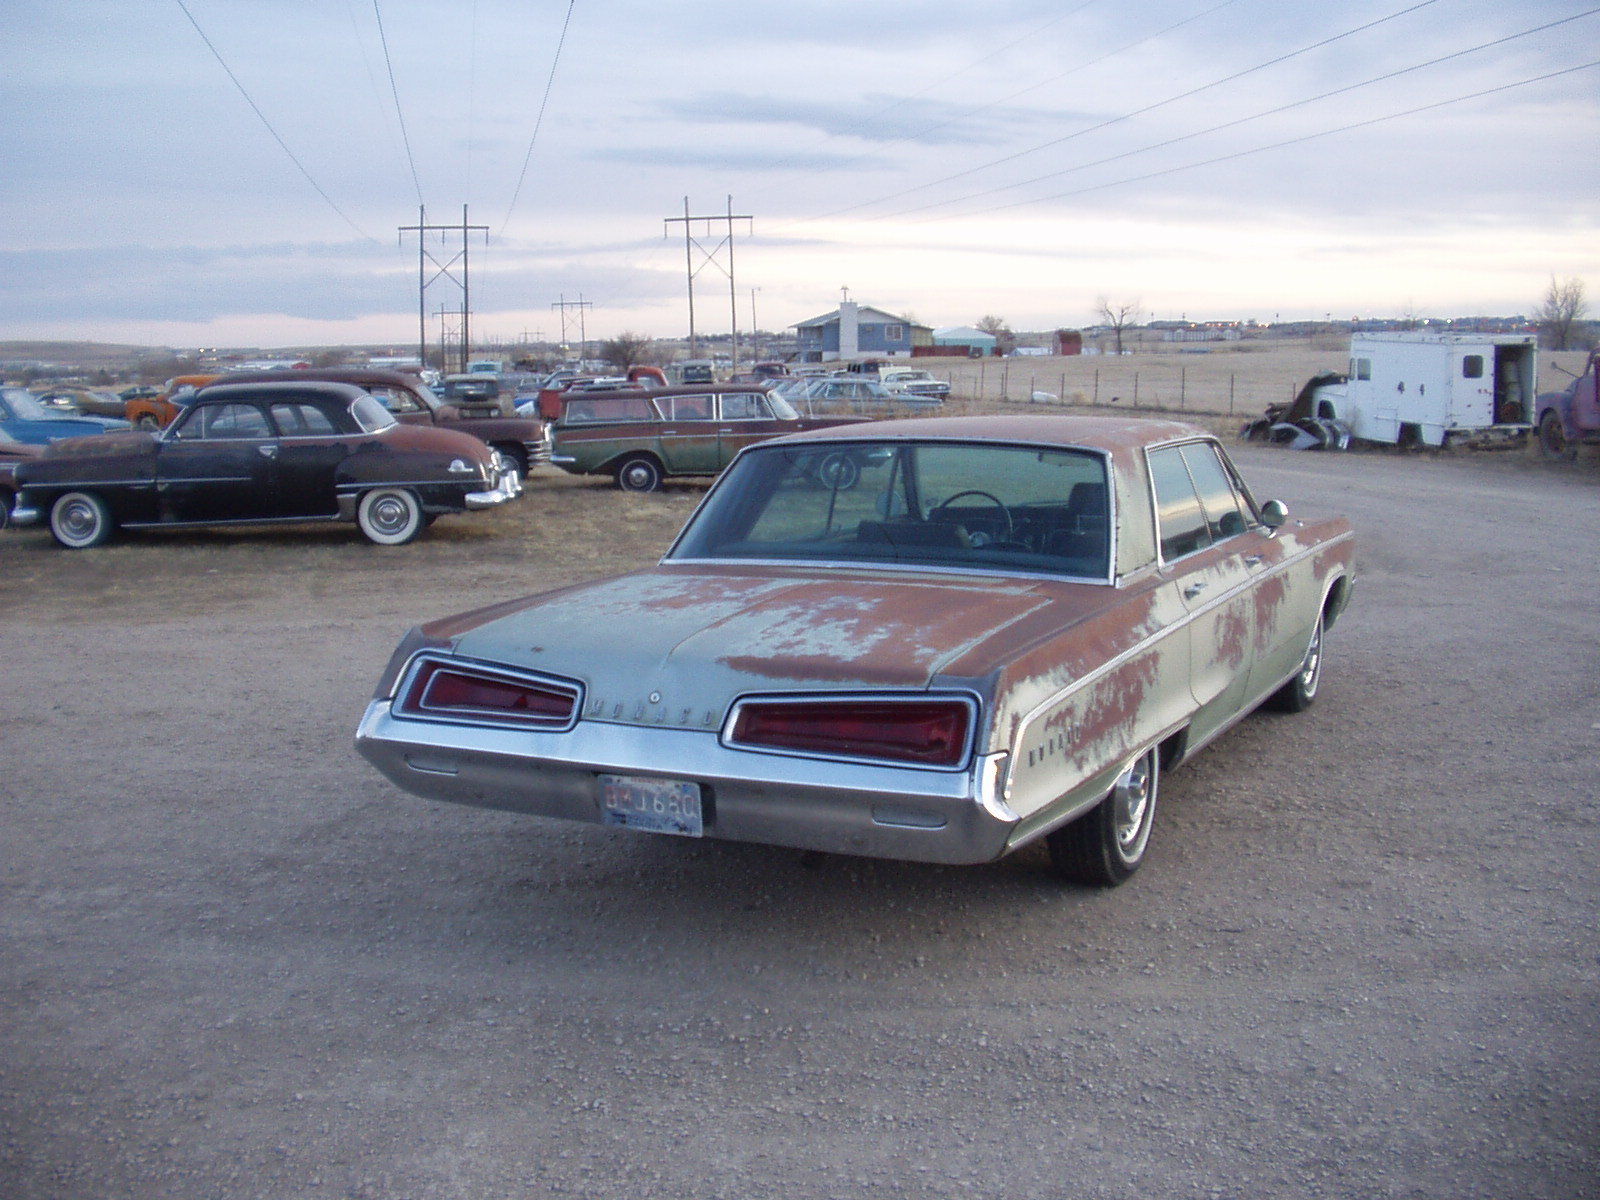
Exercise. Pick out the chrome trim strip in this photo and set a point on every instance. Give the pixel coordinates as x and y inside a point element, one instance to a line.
<point>828,564</point>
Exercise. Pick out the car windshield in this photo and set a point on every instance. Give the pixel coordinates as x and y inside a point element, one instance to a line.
<point>25,406</point>
<point>371,415</point>
<point>963,505</point>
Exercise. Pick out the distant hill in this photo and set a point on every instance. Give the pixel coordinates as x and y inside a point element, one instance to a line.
<point>75,353</point>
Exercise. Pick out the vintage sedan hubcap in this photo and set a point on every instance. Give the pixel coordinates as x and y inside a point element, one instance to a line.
<point>78,520</point>
<point>390,515</point>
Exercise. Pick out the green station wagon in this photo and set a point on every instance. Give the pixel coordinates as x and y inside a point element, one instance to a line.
<point>640,438</point>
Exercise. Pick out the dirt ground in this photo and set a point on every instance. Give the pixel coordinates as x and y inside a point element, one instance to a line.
<point>1361,960</point>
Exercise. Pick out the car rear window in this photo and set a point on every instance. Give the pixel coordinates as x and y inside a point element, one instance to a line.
<point>961,505</point>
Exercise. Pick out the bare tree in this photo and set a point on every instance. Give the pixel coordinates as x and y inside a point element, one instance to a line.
<point>1558,316</point>
<point>1118,315</point>
<point>996,327</point>
<point>626,349</point>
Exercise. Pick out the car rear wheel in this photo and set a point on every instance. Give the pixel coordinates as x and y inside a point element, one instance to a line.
<point>1105,846</point>
<point>641,473</point>
<point>1298,694</point>
<point>390,516</point>
<point>79,520</point>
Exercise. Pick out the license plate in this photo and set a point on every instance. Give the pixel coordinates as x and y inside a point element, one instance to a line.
<point>653,805</point>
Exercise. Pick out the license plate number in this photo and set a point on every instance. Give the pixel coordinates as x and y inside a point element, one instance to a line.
<point>653,805</point>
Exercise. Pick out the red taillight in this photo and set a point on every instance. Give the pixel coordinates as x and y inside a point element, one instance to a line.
<point>926,732</point>
<point>441,689</point>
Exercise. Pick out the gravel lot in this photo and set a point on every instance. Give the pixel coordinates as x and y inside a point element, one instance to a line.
<point>1361,959</point>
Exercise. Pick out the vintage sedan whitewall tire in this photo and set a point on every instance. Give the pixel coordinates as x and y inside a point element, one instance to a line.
<point>148,422</point>
<point>639,473</point>
<point>390,516</point>
<point>79,520</point>
<point>1105,846</point>
<point>1300,691</point>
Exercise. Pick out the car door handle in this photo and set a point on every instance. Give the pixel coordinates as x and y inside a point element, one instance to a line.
<point>1193,590</point>
<point>267,451</point>
<point>1252,560</point>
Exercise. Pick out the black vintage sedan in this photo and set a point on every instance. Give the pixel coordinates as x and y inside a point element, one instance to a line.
<point>249,453</point>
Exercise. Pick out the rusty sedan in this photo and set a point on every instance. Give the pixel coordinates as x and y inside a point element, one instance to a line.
<point>933,640</point>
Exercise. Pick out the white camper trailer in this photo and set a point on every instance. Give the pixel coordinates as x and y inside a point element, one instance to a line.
<point>1422,389</point>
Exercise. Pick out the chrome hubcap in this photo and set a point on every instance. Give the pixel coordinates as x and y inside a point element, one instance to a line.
<point>390,515</point>
<point>1131,798</point>
<point>1311,668</point>
<point>77,520</point>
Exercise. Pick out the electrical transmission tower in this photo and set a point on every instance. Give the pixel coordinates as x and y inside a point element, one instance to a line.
<point>583,337</point>
<point>422,229</point>
<point>711,257</point>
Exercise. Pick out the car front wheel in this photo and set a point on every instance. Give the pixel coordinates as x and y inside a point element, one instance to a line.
<point>390,516</point>
<point>146,421</point>
<point>79,520</point>
<point>639,474</point>
<point>1297,694</point>
<point>1105,846</point>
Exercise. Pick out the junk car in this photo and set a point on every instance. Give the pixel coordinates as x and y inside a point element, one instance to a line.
<point>935,640</point>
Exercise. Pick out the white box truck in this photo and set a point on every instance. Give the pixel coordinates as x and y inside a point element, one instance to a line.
<point>1425,389</point>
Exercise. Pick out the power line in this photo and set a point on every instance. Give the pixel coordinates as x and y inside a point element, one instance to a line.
<point>539,120</point>
<point>1192,92</point>
<point>395,92</point>
<point>937,83</point>
<point>1433,62</point>
<point>1294,141</point>
<point>256,108</point>
<point>1083,66</point>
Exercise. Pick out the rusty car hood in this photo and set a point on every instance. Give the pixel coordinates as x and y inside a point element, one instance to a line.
<point>674,646</point>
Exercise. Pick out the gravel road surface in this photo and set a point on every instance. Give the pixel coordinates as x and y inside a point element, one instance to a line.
<point>1361,959</point>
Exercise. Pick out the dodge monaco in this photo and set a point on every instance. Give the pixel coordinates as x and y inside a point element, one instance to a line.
<point>935,640</point>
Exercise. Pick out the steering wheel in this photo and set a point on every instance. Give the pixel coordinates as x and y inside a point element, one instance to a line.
<point>1005,514</point>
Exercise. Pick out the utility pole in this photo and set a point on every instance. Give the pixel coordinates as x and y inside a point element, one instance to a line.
<point>583,337</point>
<point>422,229</point>
<point>755,328</point>
<point>709,258</point>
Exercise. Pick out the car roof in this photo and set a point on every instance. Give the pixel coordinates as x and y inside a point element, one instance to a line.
<point>1124,434</point>
<point>356,375</point>
<point>267,390</point>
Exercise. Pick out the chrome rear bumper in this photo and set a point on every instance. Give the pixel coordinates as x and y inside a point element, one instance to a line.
<point>846,808</point>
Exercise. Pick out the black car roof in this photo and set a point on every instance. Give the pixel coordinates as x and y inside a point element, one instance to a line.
<point>216,392</point>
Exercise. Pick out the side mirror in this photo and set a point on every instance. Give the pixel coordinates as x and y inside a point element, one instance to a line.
<point>1274,513</point>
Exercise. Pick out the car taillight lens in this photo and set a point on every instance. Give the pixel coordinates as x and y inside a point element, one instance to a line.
<point>469,693</point>
<point>925,732</point>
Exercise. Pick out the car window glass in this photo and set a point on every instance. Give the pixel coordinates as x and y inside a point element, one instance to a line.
<point>690,408</point>
<point>234,421</point>
<point>371,415</point>
<point>962,506</point>
<point>1225,514</point>
<point>396,400</point>
<point>742,407</point>
<point>301,420</point>
<point>1179,515</point>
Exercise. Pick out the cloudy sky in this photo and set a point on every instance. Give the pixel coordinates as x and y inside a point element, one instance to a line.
<point>235,172</point>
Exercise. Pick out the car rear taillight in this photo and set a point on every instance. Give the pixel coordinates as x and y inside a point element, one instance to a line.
<point>452,690</point>
<point>932,733</point>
